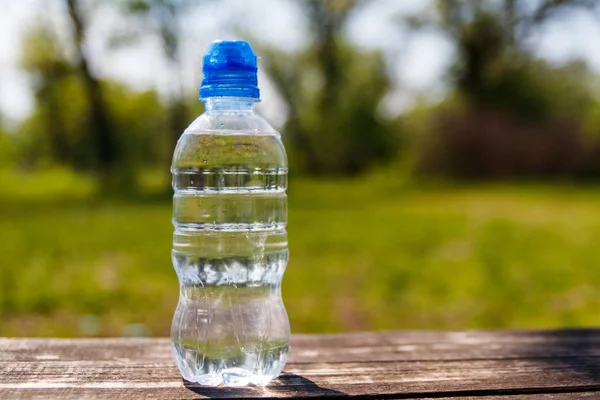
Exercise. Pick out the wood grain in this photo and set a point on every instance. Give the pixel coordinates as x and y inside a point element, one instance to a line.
<point>496,364</point>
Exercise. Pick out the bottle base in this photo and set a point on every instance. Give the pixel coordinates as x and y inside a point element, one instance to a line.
<point>232,377</point>
<point>246,369</point>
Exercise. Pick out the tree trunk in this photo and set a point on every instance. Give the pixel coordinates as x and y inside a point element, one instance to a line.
<point>100,125</point>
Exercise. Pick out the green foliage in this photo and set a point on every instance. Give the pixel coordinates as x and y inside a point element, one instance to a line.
<point>410,257</point>
<point>141,125</point>
<point>332,92</point>
<point>485,31</point>
<point>519,116</point>
<point>340,132</point>
<point>139,121</point>
<point>58,130</point>
<point>534,90</point>
<point>7,148</point>
<point>495,66</point>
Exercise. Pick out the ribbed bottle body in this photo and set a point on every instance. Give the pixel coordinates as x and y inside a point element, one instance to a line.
<point>230,252</point>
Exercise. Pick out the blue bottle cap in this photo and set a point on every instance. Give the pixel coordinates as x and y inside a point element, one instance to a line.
<point>229,69</point>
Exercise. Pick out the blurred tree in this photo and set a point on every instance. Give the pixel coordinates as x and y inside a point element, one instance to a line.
<point>6,146</point>
<point>163,17</point>
<point>491,40</point>
<point>545,137</point>
<point>332,92</point>
<point>99,125</point>
<point>42,58</point>
<point>519,115</point>
<point>140,122</point>
<point>58,129</point>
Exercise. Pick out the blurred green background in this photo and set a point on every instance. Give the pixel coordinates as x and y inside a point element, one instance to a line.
<point>445,159</point>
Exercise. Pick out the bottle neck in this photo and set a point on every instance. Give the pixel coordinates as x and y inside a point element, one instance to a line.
<point>229,104</point>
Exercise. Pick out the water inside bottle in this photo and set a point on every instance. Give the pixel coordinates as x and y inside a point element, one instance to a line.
<point>230,253</point>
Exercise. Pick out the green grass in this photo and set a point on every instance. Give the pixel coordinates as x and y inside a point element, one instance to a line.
<point>365,254</point>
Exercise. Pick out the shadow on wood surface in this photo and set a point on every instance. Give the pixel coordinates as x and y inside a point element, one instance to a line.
<point>576,350</point>
<point>287,383</point>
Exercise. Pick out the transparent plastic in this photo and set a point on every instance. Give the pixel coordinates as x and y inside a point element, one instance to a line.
<point>230,247</point>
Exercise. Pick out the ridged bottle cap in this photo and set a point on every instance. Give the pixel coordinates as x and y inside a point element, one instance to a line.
<point>229,69</point>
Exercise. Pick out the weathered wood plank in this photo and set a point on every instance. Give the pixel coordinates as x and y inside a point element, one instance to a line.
<point>368,365</point>
<point>383,346</point>
<point>134,394</point>
<point>432,345</point>
<point>324,378</point>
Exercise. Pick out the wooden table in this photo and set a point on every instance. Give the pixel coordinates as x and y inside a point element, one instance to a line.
<point>394,365</point>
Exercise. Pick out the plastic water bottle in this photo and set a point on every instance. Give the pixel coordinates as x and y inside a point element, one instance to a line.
<point>230,243</point>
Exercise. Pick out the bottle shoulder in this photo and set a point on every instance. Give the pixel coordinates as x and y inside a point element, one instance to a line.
<point>224,140</point>
<point>231,123</point>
